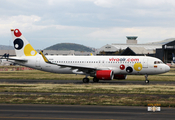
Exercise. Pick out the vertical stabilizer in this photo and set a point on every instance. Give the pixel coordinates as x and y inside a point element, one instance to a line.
<point>21,45</point>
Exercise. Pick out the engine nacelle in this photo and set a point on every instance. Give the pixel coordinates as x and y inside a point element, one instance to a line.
<point>117,76</point>
<point>104,74</point>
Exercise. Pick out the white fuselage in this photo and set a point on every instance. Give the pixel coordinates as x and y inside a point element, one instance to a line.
<point>141,65</point>
<point>99,67</point>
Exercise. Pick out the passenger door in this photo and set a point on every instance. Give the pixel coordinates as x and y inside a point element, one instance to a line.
<point>145,62</point>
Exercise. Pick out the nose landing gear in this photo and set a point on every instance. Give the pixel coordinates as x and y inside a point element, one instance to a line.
<point>146,79</point>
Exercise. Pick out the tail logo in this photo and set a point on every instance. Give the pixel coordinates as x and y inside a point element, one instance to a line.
<point>17,33</point>
<point>29,51</point>
<point>18,44</point>
<point>22,45</point>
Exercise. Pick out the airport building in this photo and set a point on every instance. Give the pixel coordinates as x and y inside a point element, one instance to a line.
<point>165,53</point>
<point>162,49</point>
<point>130,48</point>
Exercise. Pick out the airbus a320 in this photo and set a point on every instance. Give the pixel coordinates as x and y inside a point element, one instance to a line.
<point>98,67</point>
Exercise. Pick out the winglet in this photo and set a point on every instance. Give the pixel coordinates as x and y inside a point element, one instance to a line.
<point>45,59</point>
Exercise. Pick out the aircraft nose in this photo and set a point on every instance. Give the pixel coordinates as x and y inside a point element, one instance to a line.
<point>167,68</point>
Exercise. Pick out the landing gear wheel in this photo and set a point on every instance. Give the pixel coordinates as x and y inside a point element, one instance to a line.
<point>146,79</point>
<point>95,80</point>
<point>86,80</point>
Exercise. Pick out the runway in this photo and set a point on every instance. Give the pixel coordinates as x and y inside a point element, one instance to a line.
<point>68,112</point>
<point>120,82</point>
<point>76,112</point>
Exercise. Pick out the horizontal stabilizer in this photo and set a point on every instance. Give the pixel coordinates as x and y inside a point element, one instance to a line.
<point>17,59</point>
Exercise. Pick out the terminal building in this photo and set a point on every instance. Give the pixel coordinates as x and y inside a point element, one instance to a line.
<point>130,48</point>
<point>162,50</point>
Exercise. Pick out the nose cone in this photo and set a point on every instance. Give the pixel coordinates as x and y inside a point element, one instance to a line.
<point>167,68</point>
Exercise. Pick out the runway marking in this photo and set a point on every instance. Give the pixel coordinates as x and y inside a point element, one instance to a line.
<point>38,111</point>
<point>44,118</point>
<point>92,112</point>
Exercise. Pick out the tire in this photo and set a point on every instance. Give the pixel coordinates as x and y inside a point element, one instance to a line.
<point>85,80</point>
<point>95,80</point>
<point>146,81</point>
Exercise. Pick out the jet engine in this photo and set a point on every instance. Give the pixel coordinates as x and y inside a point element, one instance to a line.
<point>104,74</point>
<point>117,76</point>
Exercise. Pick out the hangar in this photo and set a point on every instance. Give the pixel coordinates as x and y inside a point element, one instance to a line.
<point>130,47</point>
<point>165,53</point>
<point>139,51</point>
<point>162,49</point>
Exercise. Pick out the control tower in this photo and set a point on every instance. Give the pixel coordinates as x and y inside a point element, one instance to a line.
<point>131,39</point>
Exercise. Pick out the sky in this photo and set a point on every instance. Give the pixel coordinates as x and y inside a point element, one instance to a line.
<point>92,23</point>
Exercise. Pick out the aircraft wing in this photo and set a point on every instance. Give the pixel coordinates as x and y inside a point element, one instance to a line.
<point>80,68</point>
<point>73,66</point>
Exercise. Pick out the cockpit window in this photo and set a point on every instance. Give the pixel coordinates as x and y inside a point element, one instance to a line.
<point>158,62</point>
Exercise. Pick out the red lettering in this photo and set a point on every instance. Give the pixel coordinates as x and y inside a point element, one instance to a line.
<point>136,59</point>
<point>128,60</point>
<point>132,60</point>
<point>124,59</point>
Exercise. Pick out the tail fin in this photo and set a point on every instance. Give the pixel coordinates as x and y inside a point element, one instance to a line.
<point>173,57</point>
<point>21,45</point>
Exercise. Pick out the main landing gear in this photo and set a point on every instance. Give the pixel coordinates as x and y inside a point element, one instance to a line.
<point>146,79</point>
<point>95,80</point>
<point>86,80</point>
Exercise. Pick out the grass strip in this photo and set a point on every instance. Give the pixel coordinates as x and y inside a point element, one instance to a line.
<point>88,94</point>
<point>87,100</point>
<point>89,88</point>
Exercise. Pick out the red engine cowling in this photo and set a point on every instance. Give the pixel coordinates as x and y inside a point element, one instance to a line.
<point>117,76</point>
<point>104,74</point>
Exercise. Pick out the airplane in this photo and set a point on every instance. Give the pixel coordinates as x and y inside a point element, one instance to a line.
<point>98,67</point>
